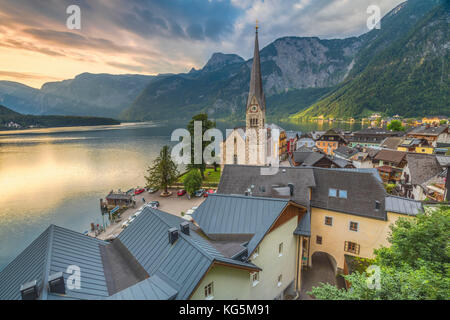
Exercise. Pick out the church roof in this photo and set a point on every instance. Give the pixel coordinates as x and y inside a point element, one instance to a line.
<point>256,87</point>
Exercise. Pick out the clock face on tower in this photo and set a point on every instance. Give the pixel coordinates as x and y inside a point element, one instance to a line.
<point>254,108</point>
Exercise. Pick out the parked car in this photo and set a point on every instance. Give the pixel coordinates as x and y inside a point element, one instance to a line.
<point>154,204</point>
<point>152,190</point>
<point>181,192</point>
<point>210,191</point>
<point>188,217</point>
<point>139,191</point>
<point>125,224</point>
<point>190,211</point>
<point>199,193</point>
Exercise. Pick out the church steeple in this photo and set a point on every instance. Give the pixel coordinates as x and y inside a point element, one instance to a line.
<point>256,88</point>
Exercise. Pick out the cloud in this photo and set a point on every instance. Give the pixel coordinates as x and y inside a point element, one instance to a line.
<point>22,75</point>
<point>155,36</point>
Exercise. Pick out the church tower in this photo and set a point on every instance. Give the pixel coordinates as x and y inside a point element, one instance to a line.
<point>255,113</point>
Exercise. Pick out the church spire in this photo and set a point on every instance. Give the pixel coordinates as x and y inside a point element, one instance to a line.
<point>256,89</point>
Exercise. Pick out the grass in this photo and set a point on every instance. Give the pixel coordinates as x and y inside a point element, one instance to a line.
<point>210,180</point>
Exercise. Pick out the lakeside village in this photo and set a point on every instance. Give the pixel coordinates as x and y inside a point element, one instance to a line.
<point>245,235</point>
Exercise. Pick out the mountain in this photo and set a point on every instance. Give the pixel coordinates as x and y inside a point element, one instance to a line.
<point>296,72</point>
<point>87,94</point>
<point>10,119</point>
<point>402,68</point>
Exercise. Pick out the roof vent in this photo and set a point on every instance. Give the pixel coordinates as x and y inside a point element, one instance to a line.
<point>56,283</point>
<point>29,290</point>
<point>173,235</point>
<point>184,227</point>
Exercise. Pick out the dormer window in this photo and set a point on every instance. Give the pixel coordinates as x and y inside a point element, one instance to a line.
<point>343,194</point>
<point>377,205</point>
<point>332,192</point>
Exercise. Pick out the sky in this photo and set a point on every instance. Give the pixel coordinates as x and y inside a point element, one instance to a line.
<point>158,36</point>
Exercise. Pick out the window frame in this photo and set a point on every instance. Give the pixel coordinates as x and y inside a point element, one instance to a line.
<point>280,249</point>
<point>350,226</point>
<point>339,194</point>
<point>317,240</point>
<point>335,193</point>
<point>254,280</point>
<point>331,221</point>
<point>209,291</point>
<point>352,247</point>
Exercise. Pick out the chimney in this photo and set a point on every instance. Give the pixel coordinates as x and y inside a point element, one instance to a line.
<point>173,235</point>
<point>29,290</point>
<point>56,283</point>
<point>184,227</point>
<point>291,189</point>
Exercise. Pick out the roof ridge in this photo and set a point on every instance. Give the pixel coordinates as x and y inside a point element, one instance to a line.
<point>247,197</point>
<point>46,270</point>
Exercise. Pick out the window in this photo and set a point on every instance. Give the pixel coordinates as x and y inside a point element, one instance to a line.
<point>209,291</point>
<point>256,252</point>
<point>318,239</point>
<point>280,249</point>
<point>353,226</point>
<point>254,278</point>
<point>332,192</point>
<point>235,159</point>
<point>377,205</point>
<point>280,280</point>
<point>351,247</point>
<point>343,194</point>
<point>328,221</point>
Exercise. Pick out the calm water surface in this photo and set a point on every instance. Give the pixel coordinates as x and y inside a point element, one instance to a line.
<point>57,176</point>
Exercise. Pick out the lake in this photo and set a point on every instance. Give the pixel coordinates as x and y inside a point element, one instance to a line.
<point>57,175</point>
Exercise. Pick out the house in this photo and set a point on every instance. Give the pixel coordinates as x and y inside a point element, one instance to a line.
<point>434,188</point>
<point>344,152</point>
<point>349,212</point>
<point>389,174</point>
<point>433,134</point>
<point>391,143</point>
<point>418,170</point>
<point>282,141</point>
<point>305,140</point>
<point>291,140</point>
<point>159,256</point>
<point>330,141</point>
<point>390,158</point>
<point>416,145</point>
<point>120,199</point>
<point>307,157</point>
<point>371,137</point>
<point>362,159</point>
<point>436,120</point>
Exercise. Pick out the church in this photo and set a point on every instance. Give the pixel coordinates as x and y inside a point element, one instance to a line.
<point>257,142</point>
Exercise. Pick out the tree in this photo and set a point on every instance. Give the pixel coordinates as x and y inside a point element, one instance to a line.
<point>192,181</point>
<point>206,124</point>
<point>442,122</point>
<point>415,266</point>
<point>163,172</point>
<point>395,125</point>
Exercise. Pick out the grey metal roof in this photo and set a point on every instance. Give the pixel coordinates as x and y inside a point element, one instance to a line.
<point>403,205</point>
<point>153,288</point>
<point>363,188</point>
<point>224,215</point>
<point>428,130</point>
<point>237,179</point>
<point>53,251</point>
<point>304,227</point>
<point>181,265</point>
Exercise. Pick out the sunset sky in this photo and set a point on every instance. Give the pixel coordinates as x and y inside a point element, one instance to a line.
<point>157,36</point>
